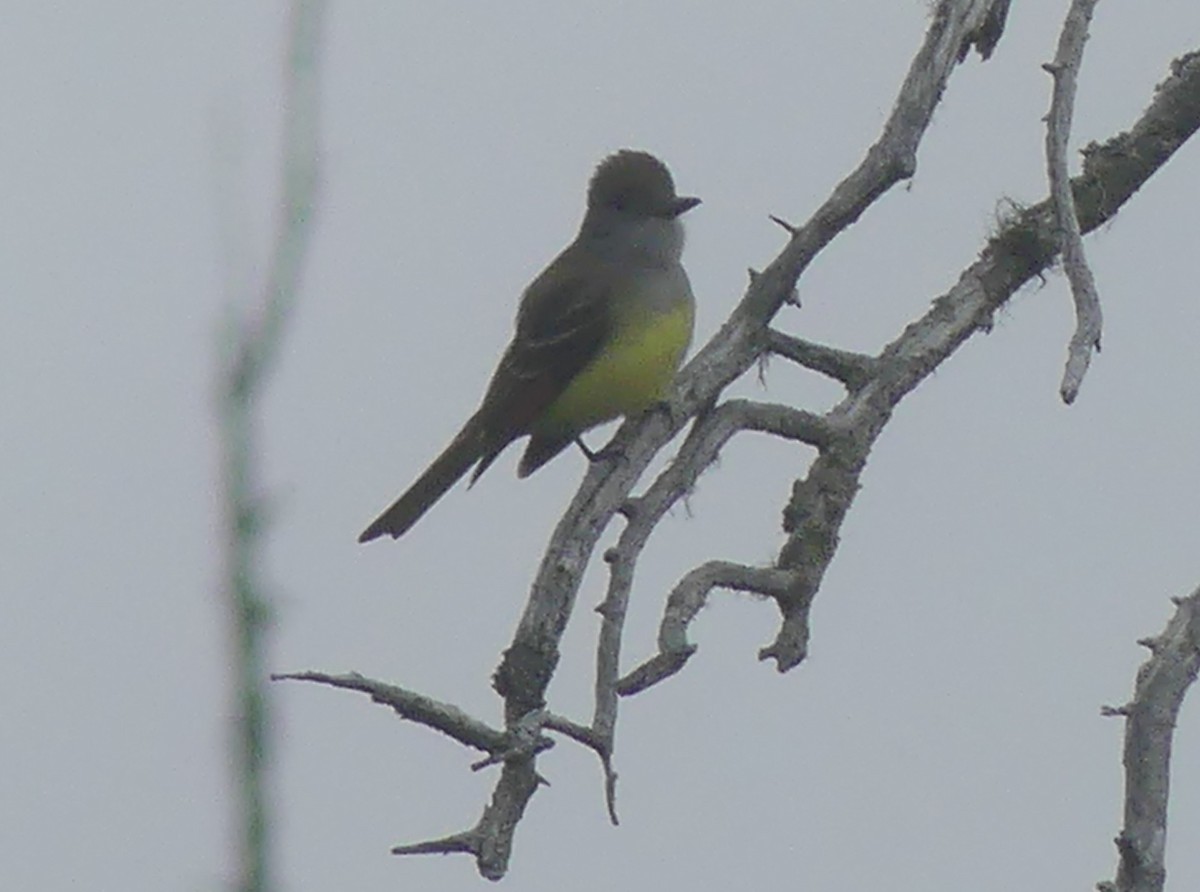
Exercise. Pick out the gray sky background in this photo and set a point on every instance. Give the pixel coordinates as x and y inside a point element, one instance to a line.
<point>1004,554</point>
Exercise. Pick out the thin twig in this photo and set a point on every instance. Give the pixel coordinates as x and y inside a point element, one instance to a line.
<point>1088,318</point>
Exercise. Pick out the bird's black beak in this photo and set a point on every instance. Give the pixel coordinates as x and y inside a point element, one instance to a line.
<point>683,205</point>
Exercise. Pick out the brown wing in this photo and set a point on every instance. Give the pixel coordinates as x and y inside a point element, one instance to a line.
<point>563,322</point>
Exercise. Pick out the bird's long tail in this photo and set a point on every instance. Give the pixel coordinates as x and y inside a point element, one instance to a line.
<point>464,450</point>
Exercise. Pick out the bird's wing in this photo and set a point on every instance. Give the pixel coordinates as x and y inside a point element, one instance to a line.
<point>564,321</point>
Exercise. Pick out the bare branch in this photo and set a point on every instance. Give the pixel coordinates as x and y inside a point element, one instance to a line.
<point>1162,682</point>
<point>1025,247</point>
<point>709,433</point>
<point>1065,71</point>
<point>686,600</point>
<point>577,732</point>
<point>490,841</point>
<point>771,418</point>
<point>851,369</point>
<point>443,717</point>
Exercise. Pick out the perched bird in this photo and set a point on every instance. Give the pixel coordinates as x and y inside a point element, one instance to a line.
<point>600,333</point>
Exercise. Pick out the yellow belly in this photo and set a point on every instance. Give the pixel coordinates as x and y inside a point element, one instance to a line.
<point>630,374</point>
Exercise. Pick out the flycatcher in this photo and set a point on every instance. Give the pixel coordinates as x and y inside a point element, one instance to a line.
<point>599,334</point>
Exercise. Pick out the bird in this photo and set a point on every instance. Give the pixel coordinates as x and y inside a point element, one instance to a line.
<point>599,334</point>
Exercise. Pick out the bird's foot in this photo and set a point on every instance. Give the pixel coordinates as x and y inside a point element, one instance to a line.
<point>608,453</point>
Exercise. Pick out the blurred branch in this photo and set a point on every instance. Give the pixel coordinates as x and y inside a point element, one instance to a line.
<point>1162,682</point>
<point>1065,71</point>
<point>252,339</point>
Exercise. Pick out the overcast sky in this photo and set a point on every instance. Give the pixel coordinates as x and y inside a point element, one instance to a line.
<point>1003,556</point>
